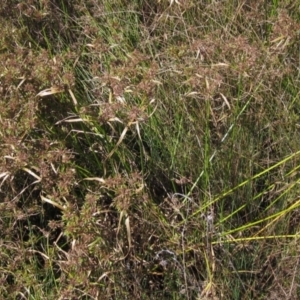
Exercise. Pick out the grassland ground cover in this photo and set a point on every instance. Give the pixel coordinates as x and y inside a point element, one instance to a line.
<point>149,149</point>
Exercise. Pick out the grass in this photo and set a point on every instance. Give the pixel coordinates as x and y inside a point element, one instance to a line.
<point>149,150</point>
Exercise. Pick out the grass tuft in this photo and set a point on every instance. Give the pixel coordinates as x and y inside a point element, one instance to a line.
<point>149,150</point>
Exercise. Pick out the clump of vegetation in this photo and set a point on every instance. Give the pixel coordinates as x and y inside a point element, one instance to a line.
<point>149,149</point>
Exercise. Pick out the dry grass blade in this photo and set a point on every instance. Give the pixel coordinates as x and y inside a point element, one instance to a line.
<point>50,91</point>
<point>120,140</point>
<point>52,203</point>
<point>101,180</point>
<point>127,224</point>
<point>32,174</point>
<point>225,100</point>
<point>72,119</point>
<point>4,175</point>
<point>22,81</point>
<point>73,97</point>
